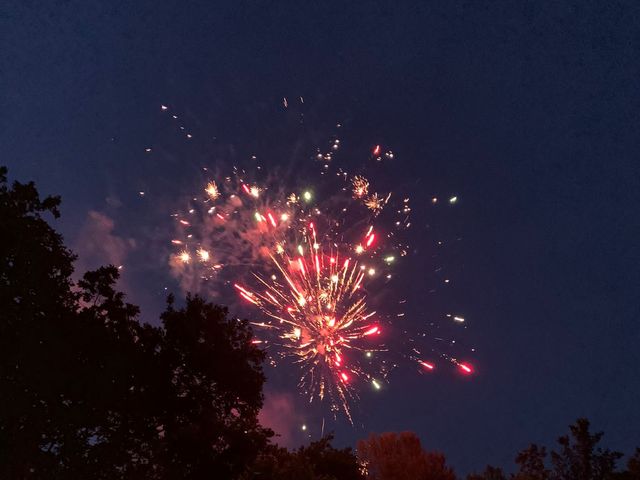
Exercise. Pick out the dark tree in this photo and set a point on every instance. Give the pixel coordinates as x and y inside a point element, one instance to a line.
<point>215,379</point>
<point>490,473</point>
<point>35,299</point>
<point>633,466</point>
<point>318,461</point>
<point>531,463</point>
<point>277,463</point>
<point>400,456</point>
<point>329,462</point>
<point>579,458</point>
<point>90,392</point>
<point>117,384</point>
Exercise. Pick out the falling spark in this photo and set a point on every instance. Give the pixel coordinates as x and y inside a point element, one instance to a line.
<point>371,331</point>
<point>427,365</point>
<point>370,239</point>
<point>465,368</point>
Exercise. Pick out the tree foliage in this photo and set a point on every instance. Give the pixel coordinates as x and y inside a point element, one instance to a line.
<point>318,461</point>
<point>90,392</point>
<point>490,473</point>
<point>531,464</point>
<point>578,458</point>
<point>400,456</point>
<point>215,379</point>
<point>633,466</point>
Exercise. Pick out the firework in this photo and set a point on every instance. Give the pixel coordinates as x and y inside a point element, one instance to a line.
<point>319,312</point>
<point>306,262</point>
<point>203,255</point>
<point>360,186</point>
<point>212,190</point>
<point>309,258</point>
<point>374,203</point>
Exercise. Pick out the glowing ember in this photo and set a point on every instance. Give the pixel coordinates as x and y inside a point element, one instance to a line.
<point>203,255</point>
<point>184,256</point>
<point>360,186</point>
<point>427,365</point>
<point>374,203</point>
<point>465,368</point>
<point>212,190</point>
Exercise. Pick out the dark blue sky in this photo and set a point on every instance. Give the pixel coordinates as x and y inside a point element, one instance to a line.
<point>528,111</point>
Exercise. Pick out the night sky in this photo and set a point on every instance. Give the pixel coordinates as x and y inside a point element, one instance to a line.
<point>527,111</point>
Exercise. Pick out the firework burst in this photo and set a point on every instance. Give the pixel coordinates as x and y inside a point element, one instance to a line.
<point>360,186</point>
<point>212,190</point>
<point>306,264</point>
<point>310,258</point>
<point>319,312</point>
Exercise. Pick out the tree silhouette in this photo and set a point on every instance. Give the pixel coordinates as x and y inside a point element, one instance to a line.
<point>399,456</point>
<point>35,299</point>
<point>578,457</point>
<point>90,392</point>
<point>490,473</point>
<point>633,465</point>
<point>215,378</point>
<point>531,463</point>
<point>318,461</point>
